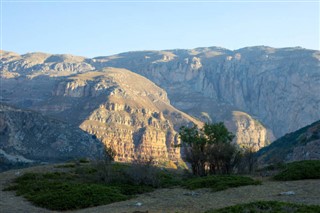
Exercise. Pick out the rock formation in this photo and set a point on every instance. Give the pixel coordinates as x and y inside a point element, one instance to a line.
<point>133,115</point>
<point>257,91</point>
<point>122,109</point>
<point>29,137</point>
<point>279,87</point>
<point>250,133</point>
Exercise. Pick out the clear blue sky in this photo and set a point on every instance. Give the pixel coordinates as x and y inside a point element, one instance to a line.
<point>105,28</point>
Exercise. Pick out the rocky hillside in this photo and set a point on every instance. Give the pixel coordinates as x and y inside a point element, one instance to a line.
<point>132,114</point>
<point>29,137</point>
<point>279,87</point>
<point>261,92</point>
<point>303,144</point>
<point>124,110</point>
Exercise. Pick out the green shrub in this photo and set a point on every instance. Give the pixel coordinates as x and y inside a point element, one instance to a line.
<point>273,167</point>
<point>68,165</point>
<point>309,169</point>
<point>130,189</point>
<point>64,196</point>
<point>83,160</point>
<point>219,182</point>
<point>85,170</point>
<point>169,178</point>
<point>66,191</point>
<point>268,207</point>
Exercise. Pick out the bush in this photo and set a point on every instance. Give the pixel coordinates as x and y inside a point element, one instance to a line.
<point>61,191</point>
<point>268,207</point>
<point>68,165</point>
<point>67,191</point>
<point>309,169</point>
<point>84,160</point>
<point>143,172</point>
<point>219,182</point>
<point>93,184</point>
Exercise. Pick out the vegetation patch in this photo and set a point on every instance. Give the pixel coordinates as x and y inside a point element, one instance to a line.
<point>219,182</point>
<point>309,169</point>
<point>269,207</point>
<point>83,160</point>
<point>92,184</point>
<point>66,191</point>
<point>100,183</point>
<point>67,165</point>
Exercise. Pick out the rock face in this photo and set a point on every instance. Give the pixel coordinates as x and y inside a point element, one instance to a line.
<point>303,144</point>
<point>135,118</point>
<point>250,133</point>
<point>280,87</point>
<point>259,92</point>
<point>14,65</point>
<point>122,109</point>
<point>29,137</point>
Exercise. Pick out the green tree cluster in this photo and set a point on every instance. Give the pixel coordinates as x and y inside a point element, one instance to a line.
<point>209,150</point>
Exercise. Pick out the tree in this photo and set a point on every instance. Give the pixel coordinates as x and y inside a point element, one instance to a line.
<point>249,158</point>
<point>209,149</point>
<point>195,143</point>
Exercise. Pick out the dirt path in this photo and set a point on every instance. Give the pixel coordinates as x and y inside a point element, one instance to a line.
<point>177,199</point>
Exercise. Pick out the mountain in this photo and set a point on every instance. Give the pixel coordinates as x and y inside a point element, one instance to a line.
<point>260,92</point>
<point>303,144</point>
<point>126,111</point>
<point>278,87</point>
<point>122,109</point>
<point>29,137</point>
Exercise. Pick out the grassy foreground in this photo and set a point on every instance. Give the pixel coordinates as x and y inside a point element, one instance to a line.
<point>88,185</point>
<point>64,191</point>
<point>268,207</point>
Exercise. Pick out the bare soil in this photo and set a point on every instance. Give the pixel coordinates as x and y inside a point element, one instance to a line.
<point>175,199</point>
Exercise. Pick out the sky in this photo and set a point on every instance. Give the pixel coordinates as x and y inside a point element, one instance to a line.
<point>98,28</point>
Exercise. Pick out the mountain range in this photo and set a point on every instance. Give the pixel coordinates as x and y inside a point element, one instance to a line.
<point>136,101</point>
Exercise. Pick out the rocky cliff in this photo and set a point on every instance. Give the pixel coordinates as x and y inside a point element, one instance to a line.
<point>29,137</point>
<point>122,109</point>
<point>133,115</point>
<point>250,133</point>
<point>259,92</point>
<point>279,87</point>
<point>303,144</point>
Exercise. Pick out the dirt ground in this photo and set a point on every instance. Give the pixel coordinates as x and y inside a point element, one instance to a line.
<point>176,199</point>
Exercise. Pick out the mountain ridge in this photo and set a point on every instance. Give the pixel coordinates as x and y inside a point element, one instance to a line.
<point>276,87</point>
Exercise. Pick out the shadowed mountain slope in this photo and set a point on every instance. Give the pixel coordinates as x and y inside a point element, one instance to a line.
<point>30,137</point>
<point>303,144</point>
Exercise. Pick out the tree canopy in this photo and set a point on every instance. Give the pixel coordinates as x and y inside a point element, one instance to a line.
<point>209,149</point>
